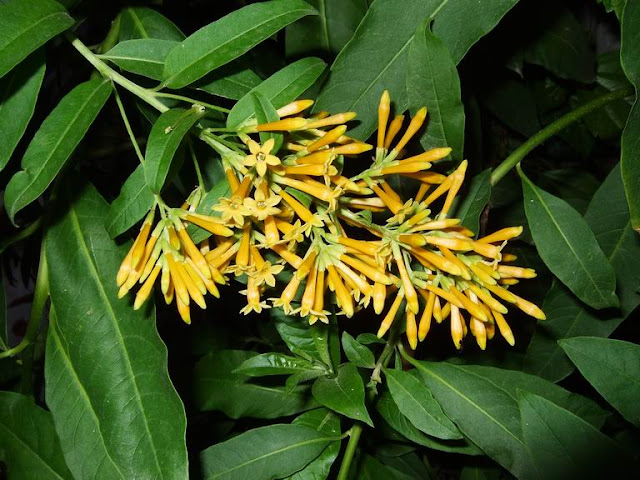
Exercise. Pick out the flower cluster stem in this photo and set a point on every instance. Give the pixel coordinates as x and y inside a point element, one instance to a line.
<point>553,128</point>
<point>352,445</point>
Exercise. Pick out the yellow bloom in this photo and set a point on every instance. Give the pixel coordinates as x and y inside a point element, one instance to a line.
<point>233,211</point>
<point>266,274</point>
<point>260,156</point>
<point>261,206</point>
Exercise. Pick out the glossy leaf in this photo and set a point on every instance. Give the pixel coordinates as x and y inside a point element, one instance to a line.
<point>25,26</point>
<point>218,387</point>
<point>106,367</point>
<point>379,52</point>
<point>266,112</point>
<point>475,201</point>
<point>391,414</point>
<point>563,46</point>
<point>270,452</point>
<point>630,154</point>
<point>134,201</point>
<point>226,39</point>
<point>165,138</point>
<point>281,88</point>
<point>18,94</point>
<point>327,423</point>
<point>409,466</point>
<point>432,81</point>
<point>357,353</point>
<point>232,81</point>
<point>417,404</point>
<point>329,31</point>
<point>568,247</point>
<point>28,442</point>
<point>343,393</point>
<point>612,367</point>
<point>608,217</point>
<point>142,22</point>
<point>142,56</point>
<point>272,364</point>
<point>482,402</point>
<point>54,143</point>
<point>563,445</point>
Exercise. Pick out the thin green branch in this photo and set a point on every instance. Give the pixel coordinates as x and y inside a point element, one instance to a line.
<point>352,446</point>
<point>127,125</point>
<point>196,166</point>
<point>191,100</point>
<point>552,129</point>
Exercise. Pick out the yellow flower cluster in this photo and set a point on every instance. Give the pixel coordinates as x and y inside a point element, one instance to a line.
<point>336,243</point>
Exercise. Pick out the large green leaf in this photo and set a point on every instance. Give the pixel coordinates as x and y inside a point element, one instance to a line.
<point>273,364</point>
<point>475,201</point>
<point>433,81</point>
<point>326,32</point>
<point>106,367</point>
<point>327,423</point>
<point>376,57</point>
<point>266,112</point>
<point>142,56</point>
<point>25,26</point>
<point>232,81</point>
<point>630,154</point>
<point>564,446</point>
<point>357,353</point>
<point>270,452</point>
<point>54,143</point>
<point>165,138</point>
<point>417,404</point>
<point>608,217</point>
<point>226,39</point>
<point>343,393</point>
<point>134,201</point>
<point>612,367</point>
<point>568,247</point>
<point>563,46</point>
<point>28,442</point>
<point>142,22</point>
<point>482,402</point>
<point>218,387</point>
<point>18,95</point>
<point>281,88</point>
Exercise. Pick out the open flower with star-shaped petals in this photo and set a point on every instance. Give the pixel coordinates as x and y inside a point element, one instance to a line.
<point>260,156</point>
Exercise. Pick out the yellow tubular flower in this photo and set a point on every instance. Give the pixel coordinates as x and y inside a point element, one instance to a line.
<point>146,288</point>
<point>338,119</point>
<point>286,125</point>
<point>379,297</point>
<point>383,117</point>
<point>390,316</point>
<point>425,319</point>
<point>479,332</point>
<point>407,284</point>
<point>177,280</point>
<point>412,129</point>
<point>294,108</point>
<point>457,328</point>
<point>309,295</point>
<point>193,251</point>
<point>342,294</point>
<point>394,128</point>
<point>328,138</point>
<point>504,328</point>
<point>183,309</point>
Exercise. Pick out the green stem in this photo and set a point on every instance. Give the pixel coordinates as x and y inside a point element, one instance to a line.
<point>352,445</point>
<point>110,73</point>
<point>21,235</point>
<point>127,125</point>
<point>112,36</point>
<point>196,166</point>
<point>191,100</point>
<point>553,128</point>
<point>37,308</point>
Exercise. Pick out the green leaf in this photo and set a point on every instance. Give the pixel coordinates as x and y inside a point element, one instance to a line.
<point>3,313</point>
<point>474,201</point>
<point>343,393</point>
<point>357,353</point>
<point>608,217</point>
<point>630,154</point>
<point>568,247</point>
<point>226,39</point>
<point>142,22</point>
<point>106,366</point>
<point>417,404</point>
<point>376,57</point>
<point>391,414</point>
<point>563,46</point>
<point>409,466</point>
<point>142,56</point>
<point>564,446</point>
<point>18,95</point>
<point>610,73</point>
<point>267,453</point>
<point>165,138</point>
<point>370,339</point>
<point>612,367</point>
<point>432,81</point>
<point>27,25</point>
<point>614,5</point>
<point>370,468</point>
<point>272,364</point>
<point>329,31</point>
<point>482,402</point>
<point>281,88</point>
<point>327,423</point>
<point>54,143</point>
<point>134,201</point>
<point>28,442</point>
<point>266,112</point>
<point>218,387</point>
<point>233,81</point>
